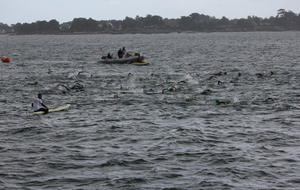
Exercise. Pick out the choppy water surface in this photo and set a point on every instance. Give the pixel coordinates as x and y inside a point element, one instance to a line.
<point>146,139</point>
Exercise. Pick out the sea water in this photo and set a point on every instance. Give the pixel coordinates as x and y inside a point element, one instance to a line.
<point>126,130</point>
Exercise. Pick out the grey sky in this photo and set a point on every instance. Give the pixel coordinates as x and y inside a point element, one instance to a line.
<point>14,11</point>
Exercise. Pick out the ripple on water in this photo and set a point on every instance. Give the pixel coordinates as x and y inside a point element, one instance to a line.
<point>126,130</point>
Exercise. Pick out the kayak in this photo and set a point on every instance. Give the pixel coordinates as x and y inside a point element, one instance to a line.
<point>138,63</point>
<point>52,110</point>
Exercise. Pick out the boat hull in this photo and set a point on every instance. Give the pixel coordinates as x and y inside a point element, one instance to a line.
<point>122,60</point>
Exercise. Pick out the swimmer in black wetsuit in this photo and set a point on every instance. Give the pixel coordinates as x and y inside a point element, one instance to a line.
<point>172,88</point>
<point>220,83</point>
<point>269,99</point>
<point>208,91</point>
<point>218,102</point>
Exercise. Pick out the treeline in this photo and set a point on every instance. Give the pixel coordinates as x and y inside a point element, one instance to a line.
<point>284,20</point>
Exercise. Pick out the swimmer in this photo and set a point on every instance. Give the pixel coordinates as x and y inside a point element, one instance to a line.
<point>191,99</point>
<point>181,82</point>
<point>221,73</point>
<point>163,91</point>
<point>35,83</point>
<point>198,75</point>
<point>65,87</point>
<point>108,83</point>
<point>269,99</point>
<point>220,83</point>
<point>172,88</point>
<point>208,91</point>
<point>259,75</point>
<point>218,102</point>
<point>235,80</point>
<point>77,86</point>
<point>211,77</point>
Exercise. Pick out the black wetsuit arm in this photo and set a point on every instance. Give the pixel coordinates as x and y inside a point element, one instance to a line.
<point>44,105</point>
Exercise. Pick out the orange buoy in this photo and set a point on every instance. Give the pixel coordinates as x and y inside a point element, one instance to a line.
<point>5,59</point>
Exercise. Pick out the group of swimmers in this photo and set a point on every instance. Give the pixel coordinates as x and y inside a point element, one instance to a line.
<point>174,88</point>
<point>37,102</point>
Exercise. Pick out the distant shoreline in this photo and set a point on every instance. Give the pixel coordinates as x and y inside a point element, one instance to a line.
<point>194,23</point>
<point>147,32</point>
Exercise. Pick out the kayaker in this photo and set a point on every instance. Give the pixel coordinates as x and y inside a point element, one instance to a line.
<point>139,59</point>
<point>37,102</point>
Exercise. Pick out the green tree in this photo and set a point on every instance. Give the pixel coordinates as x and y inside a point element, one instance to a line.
<point>129,23</point>
<point>84,25</point>
<point>286,19</point>
<point>185,23</point>
<point>224,21</point>
<point>54,25</point>
<point>246,24</point>
<point>157,21</point>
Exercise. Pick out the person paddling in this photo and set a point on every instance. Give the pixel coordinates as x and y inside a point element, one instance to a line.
<point>36,104</point>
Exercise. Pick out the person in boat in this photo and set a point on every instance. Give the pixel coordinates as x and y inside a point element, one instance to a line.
<point>109,56</point>
<point>139,59</point>
<point>136,53</point>
<point>36,104</point>
<point>124,51</point>
<point>120,53</point>
<point>128,55</point>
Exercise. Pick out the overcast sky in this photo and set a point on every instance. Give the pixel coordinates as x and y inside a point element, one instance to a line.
<point>14,11</point>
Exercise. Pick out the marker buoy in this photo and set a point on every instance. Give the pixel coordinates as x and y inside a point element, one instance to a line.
<point>5,59</point>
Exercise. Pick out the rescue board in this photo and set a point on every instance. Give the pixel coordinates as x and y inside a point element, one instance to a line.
<point>138,63</point>
<point>52,109</point>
